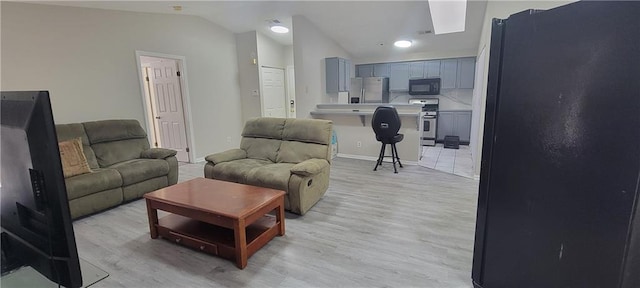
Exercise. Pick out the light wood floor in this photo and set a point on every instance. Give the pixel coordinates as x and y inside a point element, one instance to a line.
<point>371,229</point>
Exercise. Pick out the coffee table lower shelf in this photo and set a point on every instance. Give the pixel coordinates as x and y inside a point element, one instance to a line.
<point>214,239</point>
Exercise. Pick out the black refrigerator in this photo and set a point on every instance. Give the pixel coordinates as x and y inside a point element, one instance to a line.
<point>560,169</point>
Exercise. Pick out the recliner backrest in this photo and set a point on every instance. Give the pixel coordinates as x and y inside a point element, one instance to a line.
<point>115,141</point>
<point>283,140</point>
<point>304,139</point>
<point>76,130</point>
<point>385,122</point>
<point>261,137</point>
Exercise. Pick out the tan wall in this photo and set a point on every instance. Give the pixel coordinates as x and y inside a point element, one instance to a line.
<point>86,59</point>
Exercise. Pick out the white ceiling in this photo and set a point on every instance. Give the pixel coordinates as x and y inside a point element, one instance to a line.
<point>358,26</point>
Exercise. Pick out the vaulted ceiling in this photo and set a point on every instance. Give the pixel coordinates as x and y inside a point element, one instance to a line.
<point>363,28</point>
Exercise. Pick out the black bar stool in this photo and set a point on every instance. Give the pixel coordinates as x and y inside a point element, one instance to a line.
<point>386,124</point>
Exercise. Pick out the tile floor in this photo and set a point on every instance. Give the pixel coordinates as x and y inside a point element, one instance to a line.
<point>455,161</point>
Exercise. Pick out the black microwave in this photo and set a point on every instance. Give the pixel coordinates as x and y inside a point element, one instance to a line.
<point>428,86</point>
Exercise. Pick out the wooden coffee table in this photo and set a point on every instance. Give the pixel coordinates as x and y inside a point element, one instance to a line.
<point>227,219</point>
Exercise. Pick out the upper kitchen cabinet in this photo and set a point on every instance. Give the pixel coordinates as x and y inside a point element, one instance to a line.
<point>448,73</point>
<point>432,69</point>
<point>338,76</point>
<point>364,70</point>
<point>381,70</point>
<point>466,73</point>
<point>416,70</point>
<point>399,77</point>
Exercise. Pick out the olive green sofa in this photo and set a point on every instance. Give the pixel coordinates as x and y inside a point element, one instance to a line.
<point>123,166</point>
<point>292,155</point>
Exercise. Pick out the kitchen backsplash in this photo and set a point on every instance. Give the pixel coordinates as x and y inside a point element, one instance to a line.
<point>450,99</point>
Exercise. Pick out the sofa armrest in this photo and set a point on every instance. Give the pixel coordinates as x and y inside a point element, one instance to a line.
<point>157,153</point>
<point>226,156</point>
<point>310,167</point>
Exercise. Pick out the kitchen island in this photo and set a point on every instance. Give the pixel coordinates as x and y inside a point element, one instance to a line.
<point>356,139</point>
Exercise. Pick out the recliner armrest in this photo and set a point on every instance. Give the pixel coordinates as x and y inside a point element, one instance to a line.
<point>226,156</point>
<point>157,153</point>
<point>310,167</point>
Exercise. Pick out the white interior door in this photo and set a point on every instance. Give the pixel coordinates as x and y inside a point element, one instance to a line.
<point>166,99</point>
<point>273,93</point>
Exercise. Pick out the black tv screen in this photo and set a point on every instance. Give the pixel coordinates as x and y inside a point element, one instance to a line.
<point>36,224</point>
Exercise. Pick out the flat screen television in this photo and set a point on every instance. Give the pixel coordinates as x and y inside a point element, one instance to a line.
<point>36,224</point>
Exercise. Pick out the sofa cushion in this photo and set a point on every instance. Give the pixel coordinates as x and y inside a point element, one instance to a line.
<point>113,130</point>
<point>308,131</point>
<point>138,170</point>
<point>296,152</point>
<point>90,183</point>
<point>236,171</point>
<point>274,176</point>
<point>73,160</point>
<point>261,148</point>
<point>75,130</point>
<point>264,128</point>
<point>115,141</point>
<point>109,153</point>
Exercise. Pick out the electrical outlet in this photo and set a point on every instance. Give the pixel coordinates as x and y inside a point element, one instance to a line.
<point>359,144</point>
<point>229,139</point>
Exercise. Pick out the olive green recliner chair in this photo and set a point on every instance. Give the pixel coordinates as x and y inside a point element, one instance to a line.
<point>293,155</point>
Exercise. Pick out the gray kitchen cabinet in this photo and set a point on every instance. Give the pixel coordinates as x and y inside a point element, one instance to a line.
<point>432,69</point>
<point>454,123</point>
<point>364,70</point>
<point>416,70</point>
<point>449,73</point>
<point>445,125</point>
<point>466,73</point>
<point>381,70</point>
<point>338,76</point>
<point>463,126</point>
<point>399,77</point>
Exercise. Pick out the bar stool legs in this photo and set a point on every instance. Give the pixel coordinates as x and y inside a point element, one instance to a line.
<point>394,157</point>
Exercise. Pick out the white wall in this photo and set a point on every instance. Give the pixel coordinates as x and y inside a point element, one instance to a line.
<point>288,55</point>
<point>86,59</point>
<point>270,52</point>
<point>502,10</point>
<point>247,48</point>
<point>310,48</point>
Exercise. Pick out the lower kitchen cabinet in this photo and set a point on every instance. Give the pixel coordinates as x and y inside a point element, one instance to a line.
<point>454,123</point>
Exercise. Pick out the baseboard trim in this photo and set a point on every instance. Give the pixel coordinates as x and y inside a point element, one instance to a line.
<point>369,158</point>
<point>198,160</point>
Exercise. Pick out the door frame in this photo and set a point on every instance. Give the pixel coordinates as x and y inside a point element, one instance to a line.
<point>290,91</point>
<point>186,100</point>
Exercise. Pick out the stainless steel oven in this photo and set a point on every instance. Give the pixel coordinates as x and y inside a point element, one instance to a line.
<point>429,124</point>
<point>429,120</point>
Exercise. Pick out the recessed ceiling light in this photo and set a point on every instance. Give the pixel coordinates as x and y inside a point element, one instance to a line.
<point>448,16</point>
<point>279,29</point>
<point>402,43</point>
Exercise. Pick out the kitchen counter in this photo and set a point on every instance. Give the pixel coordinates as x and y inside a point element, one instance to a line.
<point>356,139</point>
<point>367,109</point>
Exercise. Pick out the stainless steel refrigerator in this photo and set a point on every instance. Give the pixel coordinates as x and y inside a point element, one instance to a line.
<point>369,90</point>
<point>560,171</point>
